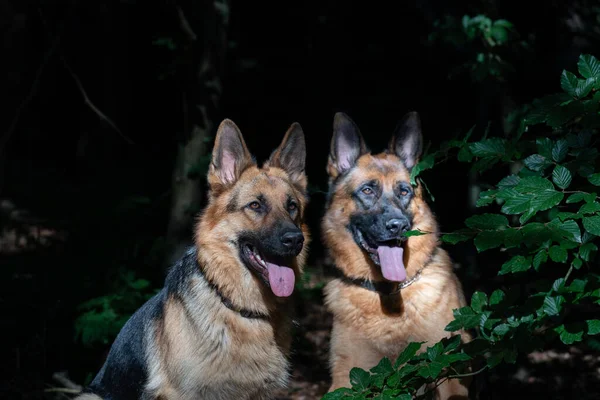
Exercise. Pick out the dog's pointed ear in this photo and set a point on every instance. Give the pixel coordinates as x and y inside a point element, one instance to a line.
<point>407,141</point>
<point>290,156</point>
<point>230,156</point>
<point>347,145</point>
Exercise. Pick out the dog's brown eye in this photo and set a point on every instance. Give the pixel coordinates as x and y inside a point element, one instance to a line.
<point>255,205</point>
<point>404,192</point>
<point>292,206</point>
<point>367,190</point>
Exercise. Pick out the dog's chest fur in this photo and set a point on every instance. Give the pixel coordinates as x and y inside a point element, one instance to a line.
<point>199,353</point>
<point>419,313</point>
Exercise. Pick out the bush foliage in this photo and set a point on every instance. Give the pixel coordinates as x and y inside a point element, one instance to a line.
<point>544,218</point>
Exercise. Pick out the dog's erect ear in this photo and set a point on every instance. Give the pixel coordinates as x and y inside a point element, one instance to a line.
<point>347,145</point>
<point>407,141</point>
<point>290,156</point>
<point>230,156</point>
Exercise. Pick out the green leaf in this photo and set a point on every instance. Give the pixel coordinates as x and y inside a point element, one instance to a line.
<point>493,147</point>
<point>553,305</point>
<point>536,162</point>
<point>540,258</point>
<point>464,317</point>
<point>577,263</point>
<point>561,177</point>
<point>458,236</point>
<point>593,326</point>
<point>512,238</point>
<point>464,154</point>
<point>569,334</point>
<point>359,378</point>
<point>414,232</point>
<point>486,197</point>
<point>478,301</point>
<point>516,264</point>
<point>487,240</point>
<point>544,146</point>
<point>546,200</point>
<point>501,330</point>
<point>430,370</point>
<point>534,184</point>
<point>592,224</point>
<point>516,203</point>
<point>426,163</point>
<point>338,394</point>
<point>496,297</point>
<point>567,230</point>
<point>408,353</point>
<point>594,178</point>
<point>589,208</point>
<point>558,254</point>
<point>509,181</point>
<point>568,82</point>
<point>586,250</point>
<point>434,351</point>
<point>560,150</point>
<point>588,66</point>
<point>487,221</point>
<point>500,34</point>
<point>384,367</point>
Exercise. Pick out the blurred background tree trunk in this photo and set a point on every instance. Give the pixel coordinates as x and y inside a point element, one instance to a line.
<point>201,74</point>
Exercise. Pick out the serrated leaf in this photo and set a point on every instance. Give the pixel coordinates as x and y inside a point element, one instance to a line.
<point>478,301</point>
<point>339,394</point>
<point>496,297</point>
<point>568,82</point>
<point>512,238</point>
<point>536,162</point>
<point>426,163</point>
<point>516,203</point>
<point>577,263</point>
<point>456,237</point>
<point>553,305</point>
<point>546,200</point>
<point>501,330</point>
<point>493,147</point>
<point>464,154</point>
<point>592,224</point>
<point>594,178</point>
<point>516,264</point>
<point>430,370</point>
<point>569,334</point>
<point>558,254</point>
<point>451,343</point>
<point>560,150</point>
<point>589,208</point>
<point>593,326</point>
<point>558,285</point>
<point>464,317</point>
<point>486,197</point>
<point>533,184</point>
<point>509,181</point>
<point>567,230</point>
<point>359,378</point>
<point>434,351</point>
<point>561,177</point>
<point>414,232</point>
<point>586,250</point>
<point>564,216</point>
<point>588,66</point>
<point>487,240</point>
<point>384,367</point>
<point>487,221</point>
<point>540,258</point>
<point>408,353</point>
<point>544,146</point>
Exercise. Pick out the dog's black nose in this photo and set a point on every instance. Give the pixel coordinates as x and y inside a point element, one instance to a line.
<point>397,225</point>
<point>293,240</point>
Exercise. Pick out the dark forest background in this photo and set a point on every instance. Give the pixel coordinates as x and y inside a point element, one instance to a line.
<point>109,113</point>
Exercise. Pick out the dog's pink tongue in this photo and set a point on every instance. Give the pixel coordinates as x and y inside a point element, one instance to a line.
<point>281,279</point>
<point>392,263</point>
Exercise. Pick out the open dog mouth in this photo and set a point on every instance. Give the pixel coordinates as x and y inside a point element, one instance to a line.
<point>388,255</point>
<point>277,275</point>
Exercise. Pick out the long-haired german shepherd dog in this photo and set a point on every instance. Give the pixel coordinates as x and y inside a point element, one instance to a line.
<point>221,328</point>
<point>391,290</point>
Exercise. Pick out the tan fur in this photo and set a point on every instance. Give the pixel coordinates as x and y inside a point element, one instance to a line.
<point>368,327</point>
<point>237,357</point>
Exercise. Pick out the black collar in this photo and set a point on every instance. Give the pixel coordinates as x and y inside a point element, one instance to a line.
<point>229,304</point>
<point>385,288</point>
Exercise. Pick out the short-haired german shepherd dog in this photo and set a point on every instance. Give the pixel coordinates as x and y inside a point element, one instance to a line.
<point>391,290</point>
<point>221,328</point>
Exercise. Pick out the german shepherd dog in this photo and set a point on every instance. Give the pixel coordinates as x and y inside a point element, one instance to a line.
<point>221,326</point>
<point>391,290</point>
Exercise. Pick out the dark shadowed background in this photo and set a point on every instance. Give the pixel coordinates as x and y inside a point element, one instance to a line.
<point>109,113</point>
